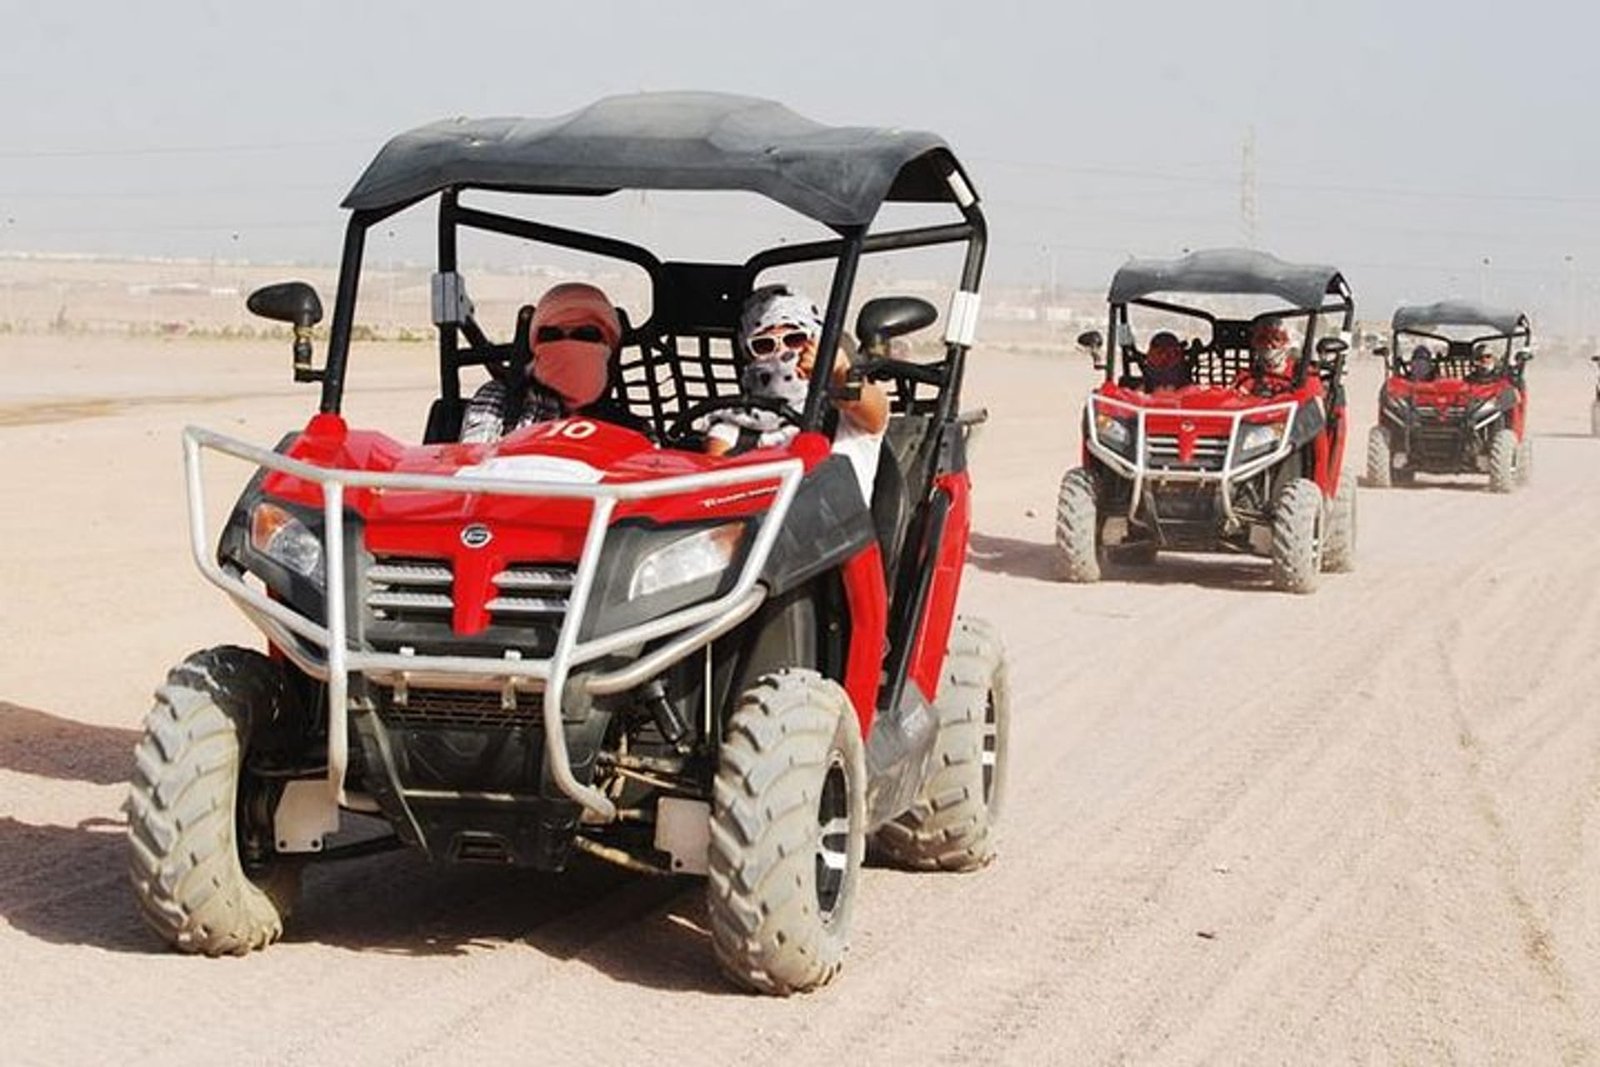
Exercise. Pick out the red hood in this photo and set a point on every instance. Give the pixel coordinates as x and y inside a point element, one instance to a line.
<point>1443,392</point>
<point>579,451</point>
<point>1166,408</point>
<point>1202,397</point>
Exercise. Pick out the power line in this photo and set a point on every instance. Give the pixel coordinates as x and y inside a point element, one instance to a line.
<point>181,150</point>
<point>1191,178</point>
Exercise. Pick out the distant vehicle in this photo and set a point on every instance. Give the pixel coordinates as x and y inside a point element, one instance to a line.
<point>1456,399</point>
<point>591,638</point>
<point>1236,460</point>
<point>1594,407</point>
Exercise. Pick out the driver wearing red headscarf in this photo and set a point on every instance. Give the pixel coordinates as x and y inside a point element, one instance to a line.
<point>1166,365</point>
<point>573,336</point>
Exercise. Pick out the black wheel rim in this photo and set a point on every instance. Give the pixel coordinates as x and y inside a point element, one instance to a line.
<point>253,827</point>
<point>991,747</point>
<point>833,838</point>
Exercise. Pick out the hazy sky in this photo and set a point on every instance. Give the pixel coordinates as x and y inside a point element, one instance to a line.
<point>1427,149</point>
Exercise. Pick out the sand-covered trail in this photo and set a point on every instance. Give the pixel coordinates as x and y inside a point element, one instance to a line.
<point>1361,826</point>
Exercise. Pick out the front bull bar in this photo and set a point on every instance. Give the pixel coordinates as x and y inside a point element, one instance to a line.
<point>693,626</point>
<point>1138,470</point>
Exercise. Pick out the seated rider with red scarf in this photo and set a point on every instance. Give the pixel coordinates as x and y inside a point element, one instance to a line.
<point>573,336</point>
<point>1272,362</point>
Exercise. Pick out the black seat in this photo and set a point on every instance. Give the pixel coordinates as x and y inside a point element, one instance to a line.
<point>506,363</point>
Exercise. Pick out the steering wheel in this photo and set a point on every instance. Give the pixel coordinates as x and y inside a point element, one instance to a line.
<point>679,432</point>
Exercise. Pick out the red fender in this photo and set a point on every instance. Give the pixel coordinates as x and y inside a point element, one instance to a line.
<point>938,615</point>
<point>868,598</point>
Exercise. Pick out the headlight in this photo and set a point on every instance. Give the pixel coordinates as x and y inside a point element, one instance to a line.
<point>278,535</point>
<point>1259,438</point>
<point>1116,434</point>
<point>702,554</point>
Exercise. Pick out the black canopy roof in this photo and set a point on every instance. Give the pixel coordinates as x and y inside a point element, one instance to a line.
<point>1458,313</point>
<point>838,175</point>
<point>1226,270</point>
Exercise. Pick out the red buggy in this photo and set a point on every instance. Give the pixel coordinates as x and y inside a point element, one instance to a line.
<point>1231,458</point>
<point>587,638</point>
<point>1456,399</point>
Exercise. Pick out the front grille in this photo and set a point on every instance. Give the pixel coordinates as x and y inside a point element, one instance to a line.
<point>1452,413</point>
<point>1182,502</point>
<point>530,592</point>
<point>1161,451</point>
<point>1435,444</point>
<point>459,708</point>
<point>406,590</point>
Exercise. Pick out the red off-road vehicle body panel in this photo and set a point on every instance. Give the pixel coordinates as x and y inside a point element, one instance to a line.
<point>425,525</point>
<point>1450,397</point>
<point>1193,414</point>
<point>933,635</point>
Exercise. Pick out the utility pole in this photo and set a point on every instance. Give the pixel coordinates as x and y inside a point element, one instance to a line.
<point>1572,298</point>
<point>1247,189</point>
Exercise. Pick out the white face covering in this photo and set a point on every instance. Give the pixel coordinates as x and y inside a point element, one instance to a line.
<point>777,377</point>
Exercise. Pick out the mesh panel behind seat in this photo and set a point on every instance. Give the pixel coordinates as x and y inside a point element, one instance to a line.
<point>659,377</point>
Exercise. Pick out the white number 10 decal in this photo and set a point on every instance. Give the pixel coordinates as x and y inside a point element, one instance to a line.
<point>571,429</point>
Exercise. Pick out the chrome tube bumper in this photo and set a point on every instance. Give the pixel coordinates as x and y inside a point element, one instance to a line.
<point>686,629</point>
<point>1139,470</point>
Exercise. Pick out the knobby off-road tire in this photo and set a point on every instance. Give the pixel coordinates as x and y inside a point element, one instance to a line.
<point>1380,459</point>
<point>1078,553</point>
<point>1502,461</point>
<point>194,811</point>
<point>1339,542</point>
<point>1297,537</point>
<point>1525,459</point>
<point>950,827</point>
<point>788,831</point>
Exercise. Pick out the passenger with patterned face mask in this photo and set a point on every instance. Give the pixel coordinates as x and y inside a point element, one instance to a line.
<point>1271,359</point>
<point>573,337</point>
<point>1485,365</point>
<point>779,329</point>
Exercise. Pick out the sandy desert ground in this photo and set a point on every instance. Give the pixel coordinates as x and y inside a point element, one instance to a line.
<point>1242,827</point>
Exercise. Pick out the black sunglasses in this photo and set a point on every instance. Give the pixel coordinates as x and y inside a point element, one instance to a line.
<point>592,334</point>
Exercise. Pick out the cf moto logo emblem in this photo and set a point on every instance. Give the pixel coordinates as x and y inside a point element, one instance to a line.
<point>476,536</point>
<point>1186,426</point>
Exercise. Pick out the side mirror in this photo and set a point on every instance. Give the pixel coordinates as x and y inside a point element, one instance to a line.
<point>1094,342</point>
<point>1523,355</point>
<point>1381,351</point>
<point>297,304</point>
<point>886,317</point>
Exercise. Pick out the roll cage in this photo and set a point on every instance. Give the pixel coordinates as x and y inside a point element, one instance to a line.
<point>683,352</point>
<point>1310,293</point>
<point>1443,322</point>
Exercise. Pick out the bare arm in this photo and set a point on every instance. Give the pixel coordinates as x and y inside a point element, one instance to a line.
<point>871,410</point>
